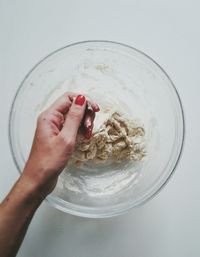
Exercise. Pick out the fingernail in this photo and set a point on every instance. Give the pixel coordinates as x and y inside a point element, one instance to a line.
<point>97,109</point>
<point>80,100</point>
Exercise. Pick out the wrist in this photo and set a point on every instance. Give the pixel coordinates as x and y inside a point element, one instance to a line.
<point>30,191</point>
<point>23,200</point>
<point>38,180</point>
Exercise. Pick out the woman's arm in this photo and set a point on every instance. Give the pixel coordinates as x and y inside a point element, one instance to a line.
<point>16,212</point>
<point>53,144</point>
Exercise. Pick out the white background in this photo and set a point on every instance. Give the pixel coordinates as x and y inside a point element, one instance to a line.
<point>168,31</point>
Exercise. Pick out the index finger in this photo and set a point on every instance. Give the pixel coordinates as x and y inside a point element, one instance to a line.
<point>63,103</point>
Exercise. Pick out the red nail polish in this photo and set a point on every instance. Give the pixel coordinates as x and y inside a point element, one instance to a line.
<point>97,109</point>
<point>80,100</point>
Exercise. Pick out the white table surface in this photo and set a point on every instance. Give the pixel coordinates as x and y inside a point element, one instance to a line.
<point>168,31</point>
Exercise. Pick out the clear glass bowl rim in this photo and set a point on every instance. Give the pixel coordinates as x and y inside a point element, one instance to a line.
<point>94,212</point>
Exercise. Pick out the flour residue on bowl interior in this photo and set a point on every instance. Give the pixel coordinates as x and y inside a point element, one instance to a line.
<point>102,83</point>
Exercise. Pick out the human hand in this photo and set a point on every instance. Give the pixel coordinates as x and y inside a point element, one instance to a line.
<point>55,139</point>
<point>53,144</point>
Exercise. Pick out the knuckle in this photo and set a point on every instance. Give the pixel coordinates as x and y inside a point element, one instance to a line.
<point>49,114</point>
<point>65,99</point>
<point>42,116</point>
<point>56,115</point>
<point>66,96</point>
<point>74,115</point>
<point>68,143</point>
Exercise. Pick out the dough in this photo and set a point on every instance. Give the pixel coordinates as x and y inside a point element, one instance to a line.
<point>117,139</point>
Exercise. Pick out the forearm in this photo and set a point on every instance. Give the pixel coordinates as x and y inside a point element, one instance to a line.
<point>16,212</point>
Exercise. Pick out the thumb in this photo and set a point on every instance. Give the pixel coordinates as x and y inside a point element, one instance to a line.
<point>74,118</point>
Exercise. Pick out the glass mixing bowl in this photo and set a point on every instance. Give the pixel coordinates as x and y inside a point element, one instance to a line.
<point>118,75</point>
